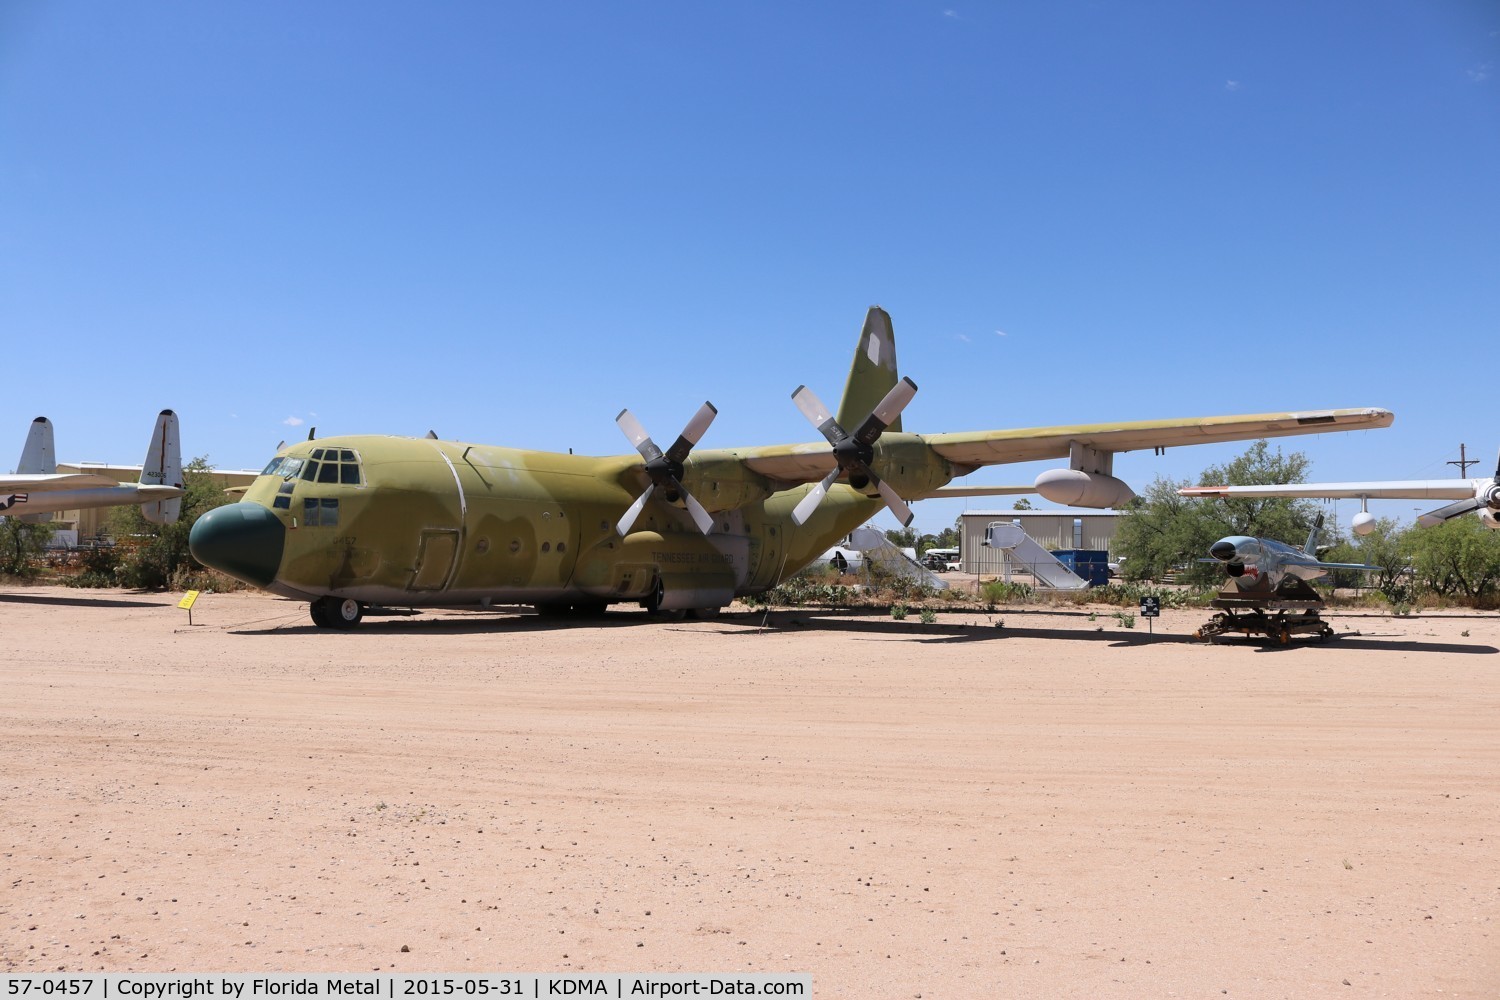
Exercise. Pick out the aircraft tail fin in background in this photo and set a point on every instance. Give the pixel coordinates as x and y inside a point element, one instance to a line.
<point>873,372</point>
<point>163,467</point>
<point>38,457</point>
<point>1311,548</point>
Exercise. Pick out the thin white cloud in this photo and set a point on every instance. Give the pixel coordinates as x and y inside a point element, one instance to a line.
<point>950,12</point>
<point>964,337</point>
<point>293,421</point>
<point>1480,73</point>
<point>1001,333</point>
<point>1231,85</point>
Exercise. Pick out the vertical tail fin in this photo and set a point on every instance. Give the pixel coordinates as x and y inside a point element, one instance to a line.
<point>163,467</point>
<point>1311,548</point>
<point>38,456</point>
<point>873,373</point>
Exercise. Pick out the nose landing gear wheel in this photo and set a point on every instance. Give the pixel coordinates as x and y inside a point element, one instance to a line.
<point>333,612</point>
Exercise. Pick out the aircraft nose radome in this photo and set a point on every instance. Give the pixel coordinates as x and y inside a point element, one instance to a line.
<point>242,539</point>
<point>1223,551</point>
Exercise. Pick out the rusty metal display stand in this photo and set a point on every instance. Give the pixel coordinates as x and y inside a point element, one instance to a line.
<point>1292,610</point>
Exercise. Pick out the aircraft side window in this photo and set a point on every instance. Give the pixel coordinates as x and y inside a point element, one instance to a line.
<point>289,468</point>
<point>310,472</point>
<point>347,456</point>
<point>329,473</point>
<point>349,473</point>
<point>320,512</point>
<point>272,467</point>
<point>318,454</point>
<point>283,501</point>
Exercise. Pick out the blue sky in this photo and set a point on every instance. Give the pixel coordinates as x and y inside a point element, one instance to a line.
<point>507,221</point>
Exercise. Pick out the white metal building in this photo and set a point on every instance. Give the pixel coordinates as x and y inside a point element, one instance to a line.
<point>1074,528</point>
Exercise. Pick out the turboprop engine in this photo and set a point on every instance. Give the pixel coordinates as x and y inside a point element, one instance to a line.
<point>1076,488</point>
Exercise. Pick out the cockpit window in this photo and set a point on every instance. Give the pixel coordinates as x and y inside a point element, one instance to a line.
<point>286,468</point>
<point>327,465</point>
<point>320,512</point>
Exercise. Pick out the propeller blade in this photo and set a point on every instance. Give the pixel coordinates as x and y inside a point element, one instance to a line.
<point>636,434</point>
<point>817,414</point>
<point>705,522</point>
<point>893,501</point>
<point>634,512</point>
<point>886,411</point>
<point>809,503</point>
<point>1497,468</point>
<point>692,433</point>
<point>1433,518</point>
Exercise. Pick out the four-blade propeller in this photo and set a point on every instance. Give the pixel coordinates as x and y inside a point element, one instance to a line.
<point>664,469</point>
<point>854,452</point>
<point>1485,496</point>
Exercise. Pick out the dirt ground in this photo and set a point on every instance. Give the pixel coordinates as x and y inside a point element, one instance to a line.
<point>1053,806</point>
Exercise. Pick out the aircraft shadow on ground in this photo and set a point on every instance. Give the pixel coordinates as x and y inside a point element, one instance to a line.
<point>873,622</point>
<point>1379,645</point>
<point>81,602</point>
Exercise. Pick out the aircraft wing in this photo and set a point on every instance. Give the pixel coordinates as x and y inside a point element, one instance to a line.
<point>1363,566</point>
<point>977,448</point>
<point>45,483</point>
<point>1408,489</point>
<point>951,492</point>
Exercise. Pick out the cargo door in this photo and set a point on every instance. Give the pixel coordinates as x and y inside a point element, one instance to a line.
<point>435,556</point>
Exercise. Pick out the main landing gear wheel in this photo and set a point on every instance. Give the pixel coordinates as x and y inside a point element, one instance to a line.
<point>333,612</point>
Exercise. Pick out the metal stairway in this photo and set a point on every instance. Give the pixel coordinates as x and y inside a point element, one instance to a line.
<point>880,552</point>
<point>1022,550</point>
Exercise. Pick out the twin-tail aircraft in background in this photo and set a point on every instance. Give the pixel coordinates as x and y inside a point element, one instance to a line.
<point>344,522</point>
<point>1468,496</point>
<point>38,489</point>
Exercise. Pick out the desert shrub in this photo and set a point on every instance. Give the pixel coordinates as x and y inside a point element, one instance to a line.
<point>1000,592</point>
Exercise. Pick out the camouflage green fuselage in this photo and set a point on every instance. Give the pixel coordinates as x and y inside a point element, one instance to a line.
<point>422,522</point>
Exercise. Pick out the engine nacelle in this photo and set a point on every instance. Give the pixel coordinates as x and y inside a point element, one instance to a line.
<point>1490,519</point>
<point>1363,523</point>
<point>1075,488</point>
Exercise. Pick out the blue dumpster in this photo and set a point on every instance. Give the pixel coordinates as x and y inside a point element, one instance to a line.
<point>1090,564</point>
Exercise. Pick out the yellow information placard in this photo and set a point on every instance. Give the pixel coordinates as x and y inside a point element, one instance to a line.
<point>187,600</point>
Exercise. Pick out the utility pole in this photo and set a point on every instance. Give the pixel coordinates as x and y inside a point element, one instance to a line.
<point>1464,462</point>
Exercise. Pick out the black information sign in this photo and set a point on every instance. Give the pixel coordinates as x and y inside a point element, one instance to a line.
<point>1150,607</point>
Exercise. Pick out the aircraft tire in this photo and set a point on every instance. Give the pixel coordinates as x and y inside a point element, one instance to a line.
<point>331,612</point>
<point>347,613</point>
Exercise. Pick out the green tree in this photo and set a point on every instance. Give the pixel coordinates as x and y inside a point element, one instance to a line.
<point>1460,557</point>
<point>161,559</point>
<point>1162,531</point>
<point>1021,504</point>
<point>20,545</point>
<point>1387,546</point>
<point>902,538</point>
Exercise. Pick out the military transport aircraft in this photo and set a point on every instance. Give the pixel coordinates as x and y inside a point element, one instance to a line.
<point>345,522</point>
<point>38,488</point>
<point>1266,566</point>
<point>1468,496</point>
